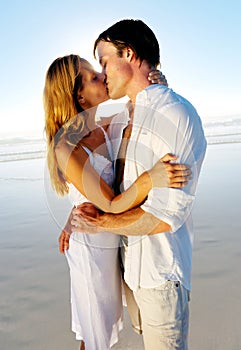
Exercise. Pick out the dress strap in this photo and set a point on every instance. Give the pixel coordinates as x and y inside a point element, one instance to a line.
<point>87,150</point>
<point>108,143</point>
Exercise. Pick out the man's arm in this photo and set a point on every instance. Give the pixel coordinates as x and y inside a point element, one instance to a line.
<point>135,222</point>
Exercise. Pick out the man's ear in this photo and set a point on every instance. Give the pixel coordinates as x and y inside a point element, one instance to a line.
<point>129,54</point>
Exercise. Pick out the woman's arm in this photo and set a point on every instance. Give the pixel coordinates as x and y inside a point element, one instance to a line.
<point>77,169</point>
<point>162,174</point>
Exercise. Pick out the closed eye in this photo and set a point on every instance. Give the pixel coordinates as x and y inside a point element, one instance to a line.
<point>102,63</point>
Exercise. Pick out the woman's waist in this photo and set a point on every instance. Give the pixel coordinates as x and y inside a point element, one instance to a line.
<point>98,240</point>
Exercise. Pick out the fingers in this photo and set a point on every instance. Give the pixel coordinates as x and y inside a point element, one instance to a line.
<point>64,242</point>
<point>178,184</point>
<point>173,166</point>
<point>179,179</point>
<point>181,172</point>
<point>156,77</point>
<point>79,224</point>
<point>78,220</point>
<point>179,167</point>
<point>174,170</point>
<point>168,157</point>
<point>180,175</point>
<point>75,220</point>
<point>76,211</point>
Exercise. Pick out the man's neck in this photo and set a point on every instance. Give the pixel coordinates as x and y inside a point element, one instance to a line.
<point>139,81</point>
<point>131,107</point>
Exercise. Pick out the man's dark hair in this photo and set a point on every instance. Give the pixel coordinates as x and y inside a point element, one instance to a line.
<point>134,34</point>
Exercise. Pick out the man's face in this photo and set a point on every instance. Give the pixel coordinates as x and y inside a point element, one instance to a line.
<point>116,69</point>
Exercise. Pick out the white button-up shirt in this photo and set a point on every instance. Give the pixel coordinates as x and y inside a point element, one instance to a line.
<point>164,122</point>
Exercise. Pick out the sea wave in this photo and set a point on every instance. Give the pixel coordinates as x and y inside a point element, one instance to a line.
<point>21,179</point>
<point>17,148</point>
<point>8,157</point>
<point>225,130</point>
<point>217,131</point>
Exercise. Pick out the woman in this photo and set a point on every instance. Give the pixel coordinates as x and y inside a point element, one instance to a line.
<point>80,160</point>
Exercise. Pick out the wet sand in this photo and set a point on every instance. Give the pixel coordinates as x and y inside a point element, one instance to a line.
<point>34,279</point>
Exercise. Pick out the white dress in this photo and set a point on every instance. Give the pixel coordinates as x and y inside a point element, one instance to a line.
<point>96,295</point>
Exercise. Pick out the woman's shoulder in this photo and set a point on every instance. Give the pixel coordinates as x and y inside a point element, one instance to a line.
<point>61,144</point>
<point>64,148</point>
<point>62,152</point>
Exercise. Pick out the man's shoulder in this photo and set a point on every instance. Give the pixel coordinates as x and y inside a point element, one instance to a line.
<point>166,100</point>
<point>163,94</point>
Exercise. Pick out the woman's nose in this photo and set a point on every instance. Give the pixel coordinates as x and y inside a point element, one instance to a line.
<point>102,76</point>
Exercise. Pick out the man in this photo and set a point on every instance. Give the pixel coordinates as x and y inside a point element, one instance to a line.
<point>157,256</point>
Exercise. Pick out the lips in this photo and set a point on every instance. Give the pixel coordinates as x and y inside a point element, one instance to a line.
<point>106,84</point>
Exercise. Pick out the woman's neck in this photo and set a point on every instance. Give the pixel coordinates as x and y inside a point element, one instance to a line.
<point>90,122</point>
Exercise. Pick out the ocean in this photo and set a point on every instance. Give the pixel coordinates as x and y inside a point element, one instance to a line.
<point>23,147</point>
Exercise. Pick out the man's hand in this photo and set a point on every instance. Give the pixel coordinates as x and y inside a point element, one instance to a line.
<point>86,218</point>
<point>86,210</point>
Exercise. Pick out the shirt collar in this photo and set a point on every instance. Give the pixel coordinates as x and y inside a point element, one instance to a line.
<point>146,96</point>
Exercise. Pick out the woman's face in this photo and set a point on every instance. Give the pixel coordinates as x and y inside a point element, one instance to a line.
<point>94,89</point>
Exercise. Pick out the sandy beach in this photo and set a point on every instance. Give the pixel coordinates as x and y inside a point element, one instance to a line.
<point>34,279</point>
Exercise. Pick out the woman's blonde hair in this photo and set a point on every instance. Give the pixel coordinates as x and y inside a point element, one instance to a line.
<point>63,82</point>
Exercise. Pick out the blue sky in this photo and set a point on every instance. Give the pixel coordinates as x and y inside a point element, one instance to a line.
<point>200,50</point>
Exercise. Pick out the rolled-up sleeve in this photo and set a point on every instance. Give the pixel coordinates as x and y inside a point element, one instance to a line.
<point>172,206</point>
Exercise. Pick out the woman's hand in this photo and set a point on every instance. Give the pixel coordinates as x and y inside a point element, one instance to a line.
<point>64,241</point>
<point>166,174</point>
<point>156,77</point>
<point>65,235</point>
